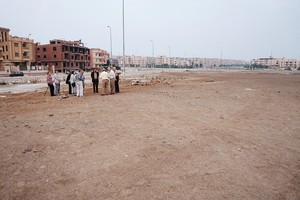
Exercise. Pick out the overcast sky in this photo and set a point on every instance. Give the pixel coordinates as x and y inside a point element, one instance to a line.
<point>240,29</point>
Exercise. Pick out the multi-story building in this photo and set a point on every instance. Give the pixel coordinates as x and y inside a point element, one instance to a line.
<point>277,63</point>
<point>4,35</point>
<point>16,53</point>
<point>99,57</point>
<point>21,52</point>
<point>63,55</point>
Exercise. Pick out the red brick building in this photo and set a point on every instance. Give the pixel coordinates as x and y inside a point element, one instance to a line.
<point>63,55</point>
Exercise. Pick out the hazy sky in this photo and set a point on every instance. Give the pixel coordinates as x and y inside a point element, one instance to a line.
<point>241,29</point>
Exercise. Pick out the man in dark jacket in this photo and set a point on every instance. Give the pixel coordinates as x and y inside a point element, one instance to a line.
<point>95,80</point>
<point>69,83</point>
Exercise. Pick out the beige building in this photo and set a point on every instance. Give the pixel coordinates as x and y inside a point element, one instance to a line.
<point>17,53</point>
<point>4,35</point>
<point>99,57</point>
<point>277,63</point>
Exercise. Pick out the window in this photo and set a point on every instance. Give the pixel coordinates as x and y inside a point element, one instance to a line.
<point>6,48</point>
<point>38,56</point>
<point>16,44</point>
<point>38,48</point>
<point>56,64</point>
<point>17,54</point>
<point>44,49</point>
<point>44,56</point>
<point>54,56</point>
<point>54,48</point>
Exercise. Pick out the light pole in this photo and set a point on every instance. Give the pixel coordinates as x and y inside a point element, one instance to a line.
<point>110,45</point>
<point>185,58</point>
<point>169,57</point>
<point>85,51</point>
<point>152,53</point>
<point>221,59</point>
<point>29,62</point>
<point>123,37</point>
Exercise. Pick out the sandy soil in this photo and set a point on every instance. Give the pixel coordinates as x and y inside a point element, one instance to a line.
<point>198,135</point>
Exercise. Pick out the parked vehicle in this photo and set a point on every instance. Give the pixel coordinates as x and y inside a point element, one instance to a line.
<point>17,74</point>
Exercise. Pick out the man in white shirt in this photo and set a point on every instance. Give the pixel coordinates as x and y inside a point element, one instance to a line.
<point>104,81</point>
<point>57,82</point>
<point>79,83</point>
<point>112,78</point>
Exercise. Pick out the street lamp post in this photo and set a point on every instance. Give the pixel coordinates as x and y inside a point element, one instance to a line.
<point>152,53</point>
<point>185,58</point>
<point>221,59</point>
<point>123,37</point>
<point>29,62</point>
<point>84,54</point>
<point>110,45</point>
<point>169,57</point>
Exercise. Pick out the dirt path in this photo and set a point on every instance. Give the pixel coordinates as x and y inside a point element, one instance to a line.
<point>196,136</point>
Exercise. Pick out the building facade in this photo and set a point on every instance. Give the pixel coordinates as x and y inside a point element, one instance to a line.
<point>16,53</point>
<point>4,35</point>
<point>21,52</point>
<point>63,55</point>
<point>277,63</point>
<point>99,57</point>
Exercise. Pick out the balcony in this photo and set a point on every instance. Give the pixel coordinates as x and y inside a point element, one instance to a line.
<point>26,49</point>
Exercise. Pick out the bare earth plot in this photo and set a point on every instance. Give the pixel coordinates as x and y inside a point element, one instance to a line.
<point>199,135</point>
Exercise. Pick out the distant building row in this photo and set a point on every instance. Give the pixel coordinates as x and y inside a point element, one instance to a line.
<point>18,53</point>
<point>277,63</point>
<point>140,61</point>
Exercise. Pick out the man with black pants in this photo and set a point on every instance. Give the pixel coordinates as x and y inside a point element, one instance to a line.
<point>117,73</point>
<point>95,80</point>
<point>69,83</point>
<point>50,83</point>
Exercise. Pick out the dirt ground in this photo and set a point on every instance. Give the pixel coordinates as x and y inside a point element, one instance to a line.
<point>195,135</point>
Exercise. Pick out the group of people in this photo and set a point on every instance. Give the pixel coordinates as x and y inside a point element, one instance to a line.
<point>53,80</point>
<point>109,78</point>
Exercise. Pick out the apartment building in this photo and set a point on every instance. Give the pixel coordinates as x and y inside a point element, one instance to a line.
<point>277,63</point>
<point>4,35</point>
<point>16,53</point>
<point>63,55</point>
<point>99,57</point>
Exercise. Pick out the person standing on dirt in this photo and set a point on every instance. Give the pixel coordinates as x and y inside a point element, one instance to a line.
<point>69,83</point>
<point>57,82</point>
<point>73,83</point>
<point>79,83</point>
<point>117,73</point>
<point>50,83</point>
<point>95,80</point>
<point>112,78</point>
<point>104,82</point>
